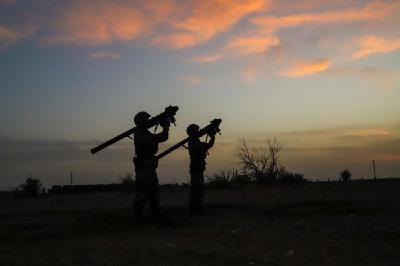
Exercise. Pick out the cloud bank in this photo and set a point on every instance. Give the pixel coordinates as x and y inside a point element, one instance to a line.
<point>240,28</point>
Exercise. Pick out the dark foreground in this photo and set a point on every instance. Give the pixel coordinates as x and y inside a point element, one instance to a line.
<point>311,224</point>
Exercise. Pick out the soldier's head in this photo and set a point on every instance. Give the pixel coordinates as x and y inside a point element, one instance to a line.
<point>192,130</point>
<point>141,119</point>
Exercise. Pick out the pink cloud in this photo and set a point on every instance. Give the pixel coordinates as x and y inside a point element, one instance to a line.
<point>184,24</point>
<point>374,10</point>
<point>93,24</point>
<point>105,55</point>
<point>306,67</point>
<point>8,36</point>
<point>250,45</point>
<point>175,40</point>
<point>263,36</point>
<point>371,44</point>
<point>211,58</point>
<point>205,19</point>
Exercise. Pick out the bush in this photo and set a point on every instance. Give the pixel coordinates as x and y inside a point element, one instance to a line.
<point>220,179</point>
<point>127,182</point>
<point>345,175</point>
<point>31,187</point>
<point>290,177</point>
<point>240,179</point>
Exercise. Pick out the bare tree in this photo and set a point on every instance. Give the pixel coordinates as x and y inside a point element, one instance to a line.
<point>274,149</point>
<point>262,161</point>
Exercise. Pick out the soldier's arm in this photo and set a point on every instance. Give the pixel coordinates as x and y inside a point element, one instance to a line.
<point>163,135</point>
<point>212,141</point>
<point>207,145</point>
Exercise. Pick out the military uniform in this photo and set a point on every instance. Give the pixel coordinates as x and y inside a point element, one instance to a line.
<point>146,182</point>
<point>198,152</point>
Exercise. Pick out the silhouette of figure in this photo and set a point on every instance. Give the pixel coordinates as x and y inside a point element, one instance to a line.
<point>146,181</point>
<point>198,152</point>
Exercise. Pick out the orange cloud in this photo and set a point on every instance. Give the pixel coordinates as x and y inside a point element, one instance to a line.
<point>7,36</point>
<point>371,11</point>
<point>207,58</point>
<point>93,24</point>
<point>305,68</point>
<point>105,55</point>
<point>251,45</point>
<point>175,40</point>
<point>373,44</point>
<point>264,35</point>
<point>207,18</point>
<point>168,23</point>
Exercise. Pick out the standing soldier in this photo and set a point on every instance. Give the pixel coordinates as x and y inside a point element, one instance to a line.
<point>198,152</point>
<point>146,181</point>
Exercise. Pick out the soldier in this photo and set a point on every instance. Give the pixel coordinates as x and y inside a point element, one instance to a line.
<point>198,152</point>
<point>146,181</point>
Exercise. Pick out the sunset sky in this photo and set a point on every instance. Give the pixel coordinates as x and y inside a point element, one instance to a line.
<point>322,76</point>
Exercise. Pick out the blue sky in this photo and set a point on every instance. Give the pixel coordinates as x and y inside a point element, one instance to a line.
<point>322,77</point>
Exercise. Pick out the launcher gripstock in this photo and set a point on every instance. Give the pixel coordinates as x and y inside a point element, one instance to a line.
<point>212,128</point>
<point>169,113</point>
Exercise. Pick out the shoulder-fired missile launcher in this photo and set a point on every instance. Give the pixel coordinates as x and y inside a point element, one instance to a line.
<point>210,129</point>
<point>169,113</point>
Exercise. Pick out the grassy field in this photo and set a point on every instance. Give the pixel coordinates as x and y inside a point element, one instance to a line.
<point>309,224</point>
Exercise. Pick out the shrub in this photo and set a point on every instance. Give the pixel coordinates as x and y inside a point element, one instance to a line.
<point>220,179</point>
<point>127,182</point>
<point>291,177</point>
<point>242,179</point>
<point>31,187</point>
<point>345,175</point>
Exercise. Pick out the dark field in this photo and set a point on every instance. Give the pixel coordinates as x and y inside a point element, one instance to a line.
<point>310,224</point>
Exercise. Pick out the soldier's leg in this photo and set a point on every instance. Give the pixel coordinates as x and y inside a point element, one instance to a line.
<point>192,200</point>
<point>154,195</point>
<point>195,192</point>
<point>201,192</point>
<point>140,195</point>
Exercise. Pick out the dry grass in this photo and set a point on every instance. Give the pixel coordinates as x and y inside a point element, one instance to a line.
<point>311,224</point>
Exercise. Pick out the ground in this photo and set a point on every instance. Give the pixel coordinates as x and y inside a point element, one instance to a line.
<point>311,224</point>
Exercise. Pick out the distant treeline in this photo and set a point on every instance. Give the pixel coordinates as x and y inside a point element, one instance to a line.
<point>58,189</point>
<point>66,189</point>
<point>213,183</point>
<point>220,181</point>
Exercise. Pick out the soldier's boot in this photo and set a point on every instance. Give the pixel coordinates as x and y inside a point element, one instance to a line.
<point>154,202</point>
<point>138,206</point>
<point>200,201</point>
<point>192,207</point>
<point>194,204</point>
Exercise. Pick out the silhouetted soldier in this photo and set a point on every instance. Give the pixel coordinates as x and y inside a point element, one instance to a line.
<point>146,181</point>
<point>198,152</point>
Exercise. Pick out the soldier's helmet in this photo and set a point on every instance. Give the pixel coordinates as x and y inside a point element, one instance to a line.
<point>141,118</point>
<point>192,130</point>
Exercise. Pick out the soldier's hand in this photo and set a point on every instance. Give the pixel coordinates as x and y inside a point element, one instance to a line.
<point>165,123</point>
<point>212,132</point>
